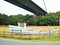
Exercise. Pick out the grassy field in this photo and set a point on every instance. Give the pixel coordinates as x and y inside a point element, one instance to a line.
<point>54,37</point>
<point>6,28</point>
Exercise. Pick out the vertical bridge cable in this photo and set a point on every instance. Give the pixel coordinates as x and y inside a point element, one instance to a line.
<point>44,5</point>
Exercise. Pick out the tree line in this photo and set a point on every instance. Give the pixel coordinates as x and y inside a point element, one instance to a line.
<point>50,19</point>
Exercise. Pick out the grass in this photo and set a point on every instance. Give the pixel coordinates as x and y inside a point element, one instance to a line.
<point>54,38</point>
<point>30,38</point>
<point>8,35</point>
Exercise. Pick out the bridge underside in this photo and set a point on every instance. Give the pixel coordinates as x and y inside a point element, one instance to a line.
<point>28,5</point>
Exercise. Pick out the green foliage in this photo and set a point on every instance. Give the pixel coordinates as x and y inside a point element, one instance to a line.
<point>4,19</point>
<point>31,21</point>
<point>51,19</point>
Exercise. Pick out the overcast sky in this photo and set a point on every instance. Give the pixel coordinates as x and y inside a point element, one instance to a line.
<point>10,9</point>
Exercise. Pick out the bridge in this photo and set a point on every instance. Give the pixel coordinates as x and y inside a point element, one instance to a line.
<point>28,5</point>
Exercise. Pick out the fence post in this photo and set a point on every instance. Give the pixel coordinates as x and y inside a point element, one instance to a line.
<point>59,32</point>
<point>12,34</point>
<point>4,33</point>
<point>49,34</point>
<point>20,33</point>
<point>59,29</point>
<point>40,35</point>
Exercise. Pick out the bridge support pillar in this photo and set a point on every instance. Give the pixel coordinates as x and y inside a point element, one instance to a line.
<point>35,16</point>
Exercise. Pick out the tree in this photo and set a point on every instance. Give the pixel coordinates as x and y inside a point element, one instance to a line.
<point>46,20</point>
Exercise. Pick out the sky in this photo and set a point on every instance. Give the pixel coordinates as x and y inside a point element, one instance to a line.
<point>10,9</point>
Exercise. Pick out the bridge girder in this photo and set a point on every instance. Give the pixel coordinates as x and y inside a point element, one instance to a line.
<point>28,5</point>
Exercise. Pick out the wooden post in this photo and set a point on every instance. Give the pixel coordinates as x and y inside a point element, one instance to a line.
<point>40,35</point>
<point>4,33</point>
<point>59,29</point>
<point>20,33</point>
<point>12,33</point>
<point>49,34</point>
